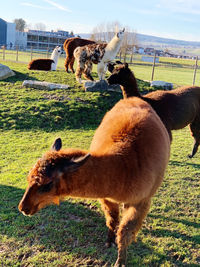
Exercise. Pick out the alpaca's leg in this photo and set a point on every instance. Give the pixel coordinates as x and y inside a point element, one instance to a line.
<point>67,60</point>
<point>100,70</point>
<point>71,64</point>
<point>131,222</point>
<point>87,71</point>
<point>111,211</point>
<point>195,131</point>
<point>79,71</point>
<point>105,70</point>
<point>53,66</point>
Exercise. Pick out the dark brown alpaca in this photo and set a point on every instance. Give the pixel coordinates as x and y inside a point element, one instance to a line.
<point>177,108</point>
<point>40,64</point>
<point>124,165</point>
<point>69,46</point>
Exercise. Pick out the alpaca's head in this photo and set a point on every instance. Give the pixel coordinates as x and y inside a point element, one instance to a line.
<point>95,57</point>
<point>120,73</point>
<point>111,65</point>
<point>57,51</point>
<point>45,181</point>
<point>120,34</point>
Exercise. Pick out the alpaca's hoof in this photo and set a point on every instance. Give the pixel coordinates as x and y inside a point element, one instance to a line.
<point>119,264</point>
<point>190,156</point>
<point>109,244</point>
<point>111,240</point>
<point>78,80</point>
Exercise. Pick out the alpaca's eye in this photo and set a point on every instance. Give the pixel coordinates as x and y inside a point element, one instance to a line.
<point>45,187</point>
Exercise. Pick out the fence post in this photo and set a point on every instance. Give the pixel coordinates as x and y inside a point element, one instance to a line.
<point>124,55</point>
<point>120,55</point>
<point>154,63</point>
<point>17,52</point>
<point>47,52</point>
<point>195,70</point>
<point>4,52</point>
<point>31,53</point>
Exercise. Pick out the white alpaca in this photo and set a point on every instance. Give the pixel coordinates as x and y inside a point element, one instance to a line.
<point>54,56</point>
<point>111,51</point>
<point>46,63</point>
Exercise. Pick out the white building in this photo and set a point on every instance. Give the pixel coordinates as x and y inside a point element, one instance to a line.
<point>21,39</point>
<point>10,37</point>
<point>139,50</point>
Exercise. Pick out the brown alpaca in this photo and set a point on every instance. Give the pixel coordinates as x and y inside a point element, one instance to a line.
<point>69,46</point>
<point>177,108</point>
<point>124,165</point>
<point>85,56</point>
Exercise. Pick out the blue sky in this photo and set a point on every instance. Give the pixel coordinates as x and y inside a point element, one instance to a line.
<point>177,19</point>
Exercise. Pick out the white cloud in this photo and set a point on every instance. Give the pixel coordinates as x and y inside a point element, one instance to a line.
<point>52,6</point>
<point>58,6</point>
<point>34,6</point>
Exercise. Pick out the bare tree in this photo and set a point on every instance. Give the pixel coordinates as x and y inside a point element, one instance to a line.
<point>40,26</point>
<point>130,41</point>
<point>20,24</point>
<point>105,32</point>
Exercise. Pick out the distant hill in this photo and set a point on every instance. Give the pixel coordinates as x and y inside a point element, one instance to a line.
<point>147,39</point>
<point>178,46</point>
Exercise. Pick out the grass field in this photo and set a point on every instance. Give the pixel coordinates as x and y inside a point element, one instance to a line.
<point>74,233</point>
<point>174,70</point>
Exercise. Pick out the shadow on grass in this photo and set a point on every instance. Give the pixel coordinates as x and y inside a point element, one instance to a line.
<point>73,228</point>
<point>168,233</point>
<point>184,163</point>
<point>188,223</point>
<point>20,77</point>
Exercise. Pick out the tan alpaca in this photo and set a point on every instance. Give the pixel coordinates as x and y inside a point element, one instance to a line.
<point>124,165</point>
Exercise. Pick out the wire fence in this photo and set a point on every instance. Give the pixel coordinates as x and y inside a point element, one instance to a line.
<point>148,67</point>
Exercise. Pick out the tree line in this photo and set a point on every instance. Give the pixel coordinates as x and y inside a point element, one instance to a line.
<point>103,32</point>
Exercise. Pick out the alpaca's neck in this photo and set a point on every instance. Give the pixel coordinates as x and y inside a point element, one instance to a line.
<point>54,57</point>
<point>92,180</point>
<point>130,88</point>
<point>114,45</point>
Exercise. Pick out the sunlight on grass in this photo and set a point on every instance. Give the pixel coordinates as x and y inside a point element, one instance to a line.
<point>74,233</point>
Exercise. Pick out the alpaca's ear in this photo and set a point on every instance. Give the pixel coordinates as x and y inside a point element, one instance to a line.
<point>76,163</point>
<point>81,160</point>
<point>123,30</point>
<point>126,65</point>
<point>116,29</point>
<point>57,145</point>
<point>111,66</point>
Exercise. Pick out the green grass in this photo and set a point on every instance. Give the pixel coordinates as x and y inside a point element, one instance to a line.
<point>177,76</point>
<point>175,70</point>
<point>74,233</point>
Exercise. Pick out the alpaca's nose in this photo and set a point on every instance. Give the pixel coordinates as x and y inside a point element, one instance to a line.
<point>24,208</point>
<point>109,80</point>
